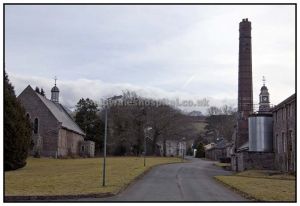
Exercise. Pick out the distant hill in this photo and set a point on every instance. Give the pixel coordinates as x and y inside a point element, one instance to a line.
<point>195,113</point>
<point>196,116</point>
<point>198,120</point>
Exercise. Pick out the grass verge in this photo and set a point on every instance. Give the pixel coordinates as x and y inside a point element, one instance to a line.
<point>57,177</point>
<point>260,186</point>
<point>219,164</point>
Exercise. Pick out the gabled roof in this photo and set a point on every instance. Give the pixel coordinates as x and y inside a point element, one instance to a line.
<point>221,143</point>
<point>286,101</point>
<point>59,112</point>
<point>61,115</point>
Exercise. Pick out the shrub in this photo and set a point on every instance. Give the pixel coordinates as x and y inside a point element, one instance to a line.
<point>120,150</point>
<point>225,159</point>
<point>200,151</point>
<point>17,130</point>
<point>189,151</point>
<point>37,154</point>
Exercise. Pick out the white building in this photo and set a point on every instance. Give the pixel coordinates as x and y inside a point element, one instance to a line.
<point>175,148</point>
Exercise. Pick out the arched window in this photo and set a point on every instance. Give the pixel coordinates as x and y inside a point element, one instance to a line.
<point>28,116</point>
<point>36,126</point>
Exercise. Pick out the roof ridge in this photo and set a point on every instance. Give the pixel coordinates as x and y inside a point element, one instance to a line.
<point>60,113</point>
<point>70,117</point>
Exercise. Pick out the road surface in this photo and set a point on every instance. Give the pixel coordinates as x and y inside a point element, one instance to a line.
<point>192,181</point>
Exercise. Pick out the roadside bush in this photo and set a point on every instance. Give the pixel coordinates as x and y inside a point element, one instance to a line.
<point>37,154</point>
<point>200,151</point>
<point>120,150</point>
<point>189,152</point>
<point>225,159</point>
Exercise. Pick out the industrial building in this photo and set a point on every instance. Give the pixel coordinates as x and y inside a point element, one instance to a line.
<point>264,139</point>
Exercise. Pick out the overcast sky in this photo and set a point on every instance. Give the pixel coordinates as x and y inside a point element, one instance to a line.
<point>184,51</point>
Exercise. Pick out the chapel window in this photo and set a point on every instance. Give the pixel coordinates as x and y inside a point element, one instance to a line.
<point>36,126</point>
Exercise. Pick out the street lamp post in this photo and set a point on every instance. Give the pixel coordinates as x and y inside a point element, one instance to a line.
<point>145,150</point>
<point>183,141</point>
<point>145,143</point>
<point>104,150</point>
<point>105,139</point>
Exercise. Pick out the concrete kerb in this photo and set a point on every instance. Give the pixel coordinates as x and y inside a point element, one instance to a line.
<point>54,197</point>
<point>245,195</point>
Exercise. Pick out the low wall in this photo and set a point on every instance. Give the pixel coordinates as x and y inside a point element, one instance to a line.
<point>246,160</point>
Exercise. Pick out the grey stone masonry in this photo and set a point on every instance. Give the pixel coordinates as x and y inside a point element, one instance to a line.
<point>47,127</point>
<point>253,160</point>
<point>284,131</point>
<point>55,133</point>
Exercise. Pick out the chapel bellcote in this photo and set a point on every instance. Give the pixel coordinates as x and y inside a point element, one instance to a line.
<point>55,92</point>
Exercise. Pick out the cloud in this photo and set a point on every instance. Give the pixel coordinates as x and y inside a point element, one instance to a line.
<point>72,91</point>
<point>172,51</point>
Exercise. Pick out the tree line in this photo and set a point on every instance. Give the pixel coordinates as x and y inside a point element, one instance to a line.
<point>220,125</point>
<point>126,126</point>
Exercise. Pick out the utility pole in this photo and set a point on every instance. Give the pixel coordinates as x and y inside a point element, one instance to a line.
<point>105,139</point>
<point>104,150</point>
<point>146,130</point>
<point>145,149</point>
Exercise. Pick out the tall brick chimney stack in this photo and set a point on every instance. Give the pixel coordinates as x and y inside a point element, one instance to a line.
<point>245,96</point>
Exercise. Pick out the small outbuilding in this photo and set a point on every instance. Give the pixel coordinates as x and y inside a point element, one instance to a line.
<point>87,149</point>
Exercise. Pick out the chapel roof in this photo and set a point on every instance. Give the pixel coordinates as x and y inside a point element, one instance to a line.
<point>61,115</point>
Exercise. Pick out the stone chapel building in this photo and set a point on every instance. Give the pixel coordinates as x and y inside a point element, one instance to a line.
<point>55,133</point>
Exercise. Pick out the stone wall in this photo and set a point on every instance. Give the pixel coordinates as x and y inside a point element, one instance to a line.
<point>73,142</point>
<point>284,131</point>
<point>215,153</point>
<point>245,160</point>
<point>62,143</point>
<point>69,143</point>
<point>48,126</point>
<point>87,149</point>
<point>51,139</point>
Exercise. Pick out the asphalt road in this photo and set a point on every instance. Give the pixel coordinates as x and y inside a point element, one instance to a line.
<point>192,181</point>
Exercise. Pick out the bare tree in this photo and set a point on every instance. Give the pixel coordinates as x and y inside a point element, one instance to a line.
<point>221,122</point>
<point>127,124</point>
<point>214,111</point>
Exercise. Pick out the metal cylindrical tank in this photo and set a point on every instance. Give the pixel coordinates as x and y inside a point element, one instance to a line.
<point>260,133</point>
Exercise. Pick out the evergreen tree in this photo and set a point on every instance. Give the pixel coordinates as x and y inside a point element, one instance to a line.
<point>88,119</point>
<point>200,151</point>
<point>37,89</point>
<point>17,130</point>
<point>42,92</point>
